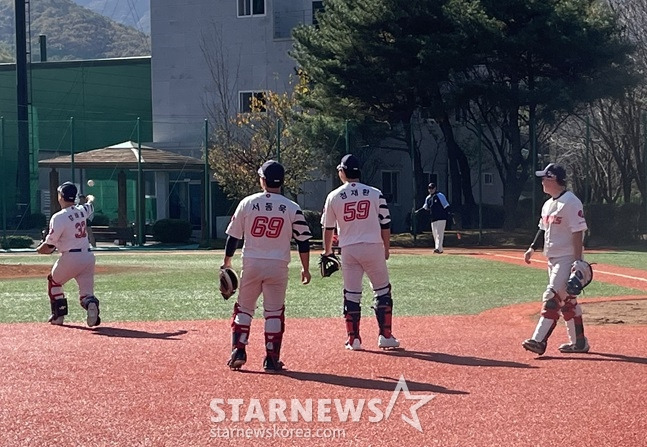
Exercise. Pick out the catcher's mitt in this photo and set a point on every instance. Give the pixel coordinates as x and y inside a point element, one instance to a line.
<point>581,276</point>
<point>228,282</point>
<point>329,264</point>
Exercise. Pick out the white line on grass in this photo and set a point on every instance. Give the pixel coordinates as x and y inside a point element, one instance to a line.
<point>620,275</point>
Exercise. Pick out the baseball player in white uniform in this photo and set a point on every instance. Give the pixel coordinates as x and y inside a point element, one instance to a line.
<point>267,221</point>
<point>67,233</point>
<point>562,225</point>
<point>361,216</point>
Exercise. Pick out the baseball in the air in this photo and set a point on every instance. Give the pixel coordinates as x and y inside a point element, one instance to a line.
<point>90,182</point>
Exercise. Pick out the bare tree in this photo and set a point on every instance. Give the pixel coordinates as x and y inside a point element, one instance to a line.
<point>220,97</point>
<point>615,165</point>
<point>241,142</point>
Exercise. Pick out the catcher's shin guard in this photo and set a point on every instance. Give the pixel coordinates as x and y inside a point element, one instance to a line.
<point>549,316</point>
<point>552,304</point>
<point>54,289</point>
<point>383,306</point>
<point>539,340</point>
<point>57,300</point>
<point>353,314</point>
<point>240,324</point>
<point>274,329</point>
<point>572,312</point>
<point>59,308</point>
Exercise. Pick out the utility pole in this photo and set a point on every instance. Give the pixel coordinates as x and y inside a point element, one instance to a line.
<point>22,173</point>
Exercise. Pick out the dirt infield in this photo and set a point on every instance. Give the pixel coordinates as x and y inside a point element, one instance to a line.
<point>151,384</point>
<point>469,383</point>
<point>12,271</point>
<point>626,311</point>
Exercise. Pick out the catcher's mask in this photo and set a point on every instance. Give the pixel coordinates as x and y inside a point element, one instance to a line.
<point>228,282</point>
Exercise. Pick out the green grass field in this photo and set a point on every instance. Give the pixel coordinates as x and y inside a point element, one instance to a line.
<point>153,286</point>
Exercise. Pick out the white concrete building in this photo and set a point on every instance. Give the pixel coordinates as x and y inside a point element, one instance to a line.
<point>252,40</point>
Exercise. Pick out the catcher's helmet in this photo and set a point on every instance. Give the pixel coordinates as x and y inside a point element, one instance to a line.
<point>68,191</point>
<point>228,282</point>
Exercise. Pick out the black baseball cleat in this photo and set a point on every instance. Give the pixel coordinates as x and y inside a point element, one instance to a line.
<point>271,364</point>
<point>538,347</point>
<point>91,305</point>
<point>238,359</point>
<point>579,348</point>
<point>53,319</point>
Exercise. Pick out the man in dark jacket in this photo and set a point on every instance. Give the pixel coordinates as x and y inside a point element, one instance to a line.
<point>438,207</point>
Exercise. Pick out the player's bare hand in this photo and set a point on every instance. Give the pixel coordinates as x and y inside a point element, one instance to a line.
<point>527,255</point>
<point>387,253</point>
<point>305,276</point>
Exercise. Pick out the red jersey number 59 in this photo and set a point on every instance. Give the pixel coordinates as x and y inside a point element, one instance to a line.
<point>356,210</point>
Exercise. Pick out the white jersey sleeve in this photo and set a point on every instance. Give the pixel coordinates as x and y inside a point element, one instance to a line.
<point>268,222</point>
<point>358,211</point>
<point>89,210</point>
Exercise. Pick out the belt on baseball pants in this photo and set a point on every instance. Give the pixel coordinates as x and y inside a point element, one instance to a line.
<point>77,250</point>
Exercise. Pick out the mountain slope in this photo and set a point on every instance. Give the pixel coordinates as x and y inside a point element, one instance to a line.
<point>134,13</point>
<point>73,32</point>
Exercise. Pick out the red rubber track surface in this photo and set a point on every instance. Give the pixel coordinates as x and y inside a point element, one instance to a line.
<point>151,384</point>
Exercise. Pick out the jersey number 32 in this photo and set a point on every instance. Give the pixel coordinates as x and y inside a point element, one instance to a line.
<point>80,230</point>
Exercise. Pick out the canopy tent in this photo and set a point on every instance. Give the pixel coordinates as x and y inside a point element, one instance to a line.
<point>122,157</point>
<point>126,156</point>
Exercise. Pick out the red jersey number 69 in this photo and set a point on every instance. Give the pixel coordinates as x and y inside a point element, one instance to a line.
<point>268,227</point>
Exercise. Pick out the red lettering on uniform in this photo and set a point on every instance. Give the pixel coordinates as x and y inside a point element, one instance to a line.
<point>356,210</point>
<point>264,226</point>
<point>552,219</point>
<point>80,230</point>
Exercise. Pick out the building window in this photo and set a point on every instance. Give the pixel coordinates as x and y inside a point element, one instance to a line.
<point>248,8</point>
<point>488,178</point>
<point>317,6</point>
<point>390,186</point>
<point>251,102</point>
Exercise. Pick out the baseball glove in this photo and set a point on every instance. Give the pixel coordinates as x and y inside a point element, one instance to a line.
<point>328,264</point>
<point>228,282</point>
<point>581,276</point>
